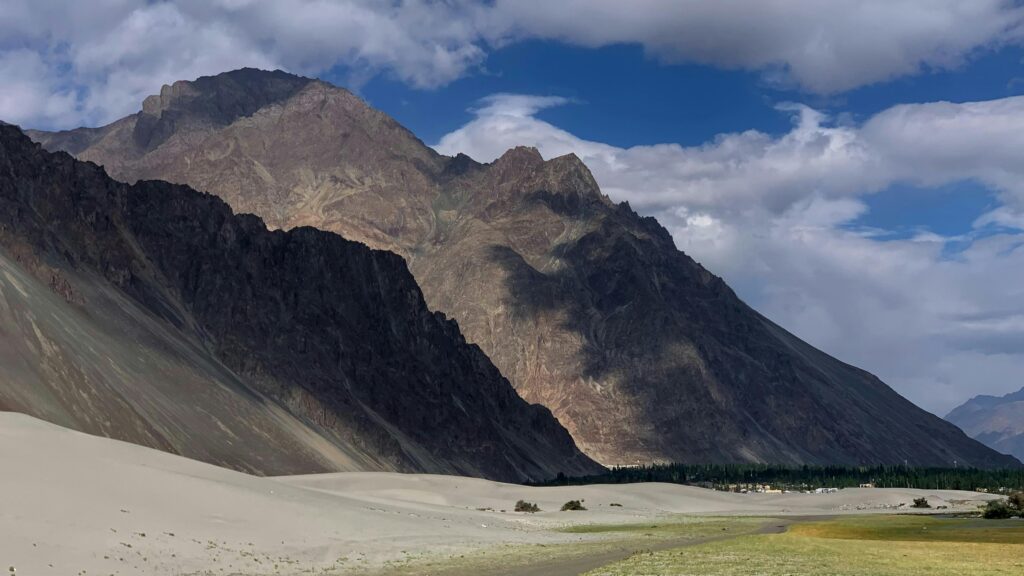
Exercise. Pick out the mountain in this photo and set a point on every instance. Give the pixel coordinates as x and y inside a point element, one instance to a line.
<point>587,307</point>
<point>998,422</point>
<point>151,313</point>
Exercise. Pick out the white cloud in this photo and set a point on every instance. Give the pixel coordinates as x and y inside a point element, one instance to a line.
<point>822,45</point>
<point>941,142</point>
<point>110,53</point>
<point>919,144</point>
<point>772,213</point>
<point>30,89</point>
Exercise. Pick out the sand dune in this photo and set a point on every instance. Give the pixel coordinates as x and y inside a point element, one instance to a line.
<point>74,502</point>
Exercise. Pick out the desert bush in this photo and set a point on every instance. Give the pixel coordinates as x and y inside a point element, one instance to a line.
<point>921,502</point>
<point>524,506</point>
<point>572,505</point>
<point>1016,501</point>
<point>997,510</point>
<point>1002,509</point>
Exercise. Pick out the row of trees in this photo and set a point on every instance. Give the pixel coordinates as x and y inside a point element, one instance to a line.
<point>808,477</point>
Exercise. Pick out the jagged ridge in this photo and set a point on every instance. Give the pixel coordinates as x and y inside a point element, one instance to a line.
<point>327,345</point>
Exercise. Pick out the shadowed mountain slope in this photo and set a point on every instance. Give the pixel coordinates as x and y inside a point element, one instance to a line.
<point>587,307</point>
<point>996,421</point>
<point>151,313</point>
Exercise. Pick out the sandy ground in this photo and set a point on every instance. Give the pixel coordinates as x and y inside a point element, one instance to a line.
<point>71,503</point>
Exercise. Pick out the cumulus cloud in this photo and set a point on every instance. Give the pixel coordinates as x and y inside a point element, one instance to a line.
<point>29,84</point>
<point>821,45</point>
<point>773,215</point>
<point>108,55</point>
<point>918,144</point>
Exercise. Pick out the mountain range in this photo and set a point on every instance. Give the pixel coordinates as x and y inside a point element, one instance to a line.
<point>151,313</point>
<point>584,305</point>
<point>996,421</point>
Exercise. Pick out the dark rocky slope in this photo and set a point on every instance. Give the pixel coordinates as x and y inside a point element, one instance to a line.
<point>996,421</point>
<point>585,306</point>
<point>151,313</point>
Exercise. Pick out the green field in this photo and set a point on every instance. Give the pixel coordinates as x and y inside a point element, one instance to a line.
<point>693,527</point>
<point>583,548</point>
<point>855,546</point>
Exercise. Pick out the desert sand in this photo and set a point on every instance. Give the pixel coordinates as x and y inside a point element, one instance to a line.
<point>71,503</point>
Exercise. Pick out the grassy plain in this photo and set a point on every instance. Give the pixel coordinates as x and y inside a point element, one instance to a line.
<point>849,546</point>
<point>599,544</point>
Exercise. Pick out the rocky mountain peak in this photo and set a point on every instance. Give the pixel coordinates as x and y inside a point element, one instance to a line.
<point>460,165</point>
<point>211,101</point>
<point>568,174</point>
<point>587,307</point>
<point>226,96</point>
<point>519,159</point>
<point>997,421</point>
<point>564,183</point>
<point>155,104</point>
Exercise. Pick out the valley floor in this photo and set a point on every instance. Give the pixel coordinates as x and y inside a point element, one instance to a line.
<point>77,504</point>
<point>849,546</point>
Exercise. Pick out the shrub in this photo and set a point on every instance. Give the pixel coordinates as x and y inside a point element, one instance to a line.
<point>524,506</point>
<point>997,510</point>
<point>1016,501</point>
<point>1002,509</point>
<point>616,504</point>
<point>921,502</point>
<point>572,505</point>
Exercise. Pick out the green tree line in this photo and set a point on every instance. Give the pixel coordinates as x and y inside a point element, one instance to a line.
<point>721,476</point>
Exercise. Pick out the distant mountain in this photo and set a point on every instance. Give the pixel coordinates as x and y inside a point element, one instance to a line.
<point>151,313</point>
<point>587,307</point>
<point>998,422</point>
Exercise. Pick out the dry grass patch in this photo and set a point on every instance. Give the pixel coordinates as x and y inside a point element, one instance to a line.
<point>865,546</point>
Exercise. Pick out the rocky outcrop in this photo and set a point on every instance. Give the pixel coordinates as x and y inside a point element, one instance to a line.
<point>587,307</point>
<point>151,313</point>
<point>996,421</point>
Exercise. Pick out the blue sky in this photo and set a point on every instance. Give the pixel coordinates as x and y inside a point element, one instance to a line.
<point>620,95</point>
<point>853,168</point>
<point>625,97</point>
